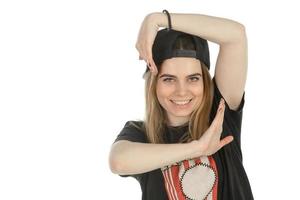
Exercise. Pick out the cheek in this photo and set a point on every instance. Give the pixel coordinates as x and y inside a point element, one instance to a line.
<point>198,94</point>
<point>197,90</point>
<point>163,91</point>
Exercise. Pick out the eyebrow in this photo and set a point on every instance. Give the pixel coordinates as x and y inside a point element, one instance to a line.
<point>173,76</point>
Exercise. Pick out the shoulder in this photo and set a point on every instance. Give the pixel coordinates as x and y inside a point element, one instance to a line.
<point>135,124</point>
<point>133,131</point>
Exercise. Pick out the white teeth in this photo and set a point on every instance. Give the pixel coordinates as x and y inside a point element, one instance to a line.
<point>181,102</point>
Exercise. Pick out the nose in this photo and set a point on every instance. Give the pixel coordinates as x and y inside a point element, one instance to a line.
<point>181,89</point>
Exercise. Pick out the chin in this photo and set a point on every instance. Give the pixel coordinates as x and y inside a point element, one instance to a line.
<point>182,114</point>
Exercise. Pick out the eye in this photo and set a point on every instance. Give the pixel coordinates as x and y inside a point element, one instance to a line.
<point>194,78</point>
<point>168,79</point>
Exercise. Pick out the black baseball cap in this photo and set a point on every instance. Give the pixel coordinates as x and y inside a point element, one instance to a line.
<point>164,44</point>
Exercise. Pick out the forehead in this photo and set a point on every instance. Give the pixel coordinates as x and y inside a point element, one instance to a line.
<point>181,66</point>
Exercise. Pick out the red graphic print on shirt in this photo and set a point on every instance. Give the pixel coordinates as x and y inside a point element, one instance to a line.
<point>193,179</point>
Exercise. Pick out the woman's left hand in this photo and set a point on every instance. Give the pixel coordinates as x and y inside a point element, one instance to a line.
<point>145,40</point>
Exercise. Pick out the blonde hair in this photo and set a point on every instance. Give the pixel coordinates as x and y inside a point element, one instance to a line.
<point>155,116</point>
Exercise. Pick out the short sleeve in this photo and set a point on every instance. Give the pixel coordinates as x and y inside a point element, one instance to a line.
<point>132,131</point>
<point>232,118</point>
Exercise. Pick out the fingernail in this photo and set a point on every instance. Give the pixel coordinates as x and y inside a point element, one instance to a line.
<point>221,102</point>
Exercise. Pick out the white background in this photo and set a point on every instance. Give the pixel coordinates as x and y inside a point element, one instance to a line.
<point>70,78</point>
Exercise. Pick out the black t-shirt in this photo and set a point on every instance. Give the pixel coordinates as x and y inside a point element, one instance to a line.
<point>220,176</point>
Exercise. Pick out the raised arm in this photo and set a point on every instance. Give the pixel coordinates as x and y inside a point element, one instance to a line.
<point>231,65</point>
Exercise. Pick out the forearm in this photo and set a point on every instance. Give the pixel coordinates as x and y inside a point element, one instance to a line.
<point>135,158</point>
<point>215,29</point>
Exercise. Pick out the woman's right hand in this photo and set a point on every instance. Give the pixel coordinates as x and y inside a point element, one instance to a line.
<point>209,143</point>
<point>145,40</point>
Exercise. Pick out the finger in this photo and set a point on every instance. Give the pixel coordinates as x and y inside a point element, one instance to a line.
<point>142,58</point>
<point>226,141</point>
<point>150,68</point>
<point>142,55</point>
<point>137,46</point>
<point>150,57</point>
<point>218,120</point>
<point>150,65</point>
<point>153,66</point>
<point>221,112</point>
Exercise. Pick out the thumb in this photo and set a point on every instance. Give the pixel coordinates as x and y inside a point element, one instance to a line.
<point>226,141</point>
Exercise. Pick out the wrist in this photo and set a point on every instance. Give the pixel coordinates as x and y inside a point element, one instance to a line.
<point>161,19</point>
<point>195,149</point>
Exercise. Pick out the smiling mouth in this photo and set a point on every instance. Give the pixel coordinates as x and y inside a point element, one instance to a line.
<point>181,103</point>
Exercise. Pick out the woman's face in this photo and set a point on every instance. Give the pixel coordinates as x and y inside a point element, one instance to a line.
<point>179,88</point>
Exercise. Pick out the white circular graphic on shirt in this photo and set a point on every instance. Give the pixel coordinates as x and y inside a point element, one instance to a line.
<point>198,181</point>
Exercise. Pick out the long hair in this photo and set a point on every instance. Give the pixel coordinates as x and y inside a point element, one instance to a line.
<point>155,116</point>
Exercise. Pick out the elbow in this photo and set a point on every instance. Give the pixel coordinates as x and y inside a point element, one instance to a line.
<point>241,26</point>
<point>241,31</point>
<point>115,158</point>
<point>114,165</point>
<point>118,159</point>
<point>239,34</point>
<point>236,35</point>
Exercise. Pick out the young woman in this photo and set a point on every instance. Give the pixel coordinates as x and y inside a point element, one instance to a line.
<point>188,146</point>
